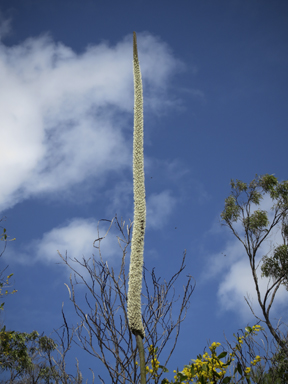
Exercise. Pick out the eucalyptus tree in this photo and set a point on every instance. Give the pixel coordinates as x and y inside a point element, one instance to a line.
<point>243,207</point>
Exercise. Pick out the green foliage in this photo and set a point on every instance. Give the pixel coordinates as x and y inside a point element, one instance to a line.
<point>256,222</point>
<point>276,266</point>
<point>277,373</point>
<point>260,376</point>
<point>240,206</point>
<point>4,236</point>
<point>13,349</point>
<point>231,212</point>
<point>4,285</point>
<point>253,194</point>
<point>268,183</point>
<point>279,369</point>
<point>17,350</point>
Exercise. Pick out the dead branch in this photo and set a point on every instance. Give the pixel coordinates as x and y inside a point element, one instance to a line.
<point>103,327</point>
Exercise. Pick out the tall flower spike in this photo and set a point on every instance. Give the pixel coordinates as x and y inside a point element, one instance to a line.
<point>137,244</point>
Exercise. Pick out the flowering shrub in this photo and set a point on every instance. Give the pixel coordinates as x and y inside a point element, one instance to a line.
<point>208,368</point>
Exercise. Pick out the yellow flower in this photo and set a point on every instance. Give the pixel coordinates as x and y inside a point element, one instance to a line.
<point>257,328</point>
<point>247,370</point>
<point>256,360</point>
<point>214,345</point>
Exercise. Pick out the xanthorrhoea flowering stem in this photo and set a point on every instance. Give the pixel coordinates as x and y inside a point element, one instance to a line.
<point>140,346</point>
<point>137,244</point>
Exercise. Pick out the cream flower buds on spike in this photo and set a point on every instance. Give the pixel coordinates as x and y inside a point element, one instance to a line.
<point>137,245</point>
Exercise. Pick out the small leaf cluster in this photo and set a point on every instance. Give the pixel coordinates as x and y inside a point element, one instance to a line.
<point>276,266</point>
<point>253,193</point>
<point>4,236</point>
<point>5,284</point>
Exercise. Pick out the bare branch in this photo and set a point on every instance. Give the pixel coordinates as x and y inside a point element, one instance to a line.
<point>103,329</point>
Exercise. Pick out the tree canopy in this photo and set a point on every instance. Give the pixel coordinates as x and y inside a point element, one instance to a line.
<point>243,206</point>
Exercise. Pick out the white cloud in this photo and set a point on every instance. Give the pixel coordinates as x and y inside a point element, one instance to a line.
<point>63,114</point>
<point>159,207</point>
<point>75,237</point>
<point>239,283</point>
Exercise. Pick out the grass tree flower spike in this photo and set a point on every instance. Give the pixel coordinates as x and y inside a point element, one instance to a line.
<point>137,245</point>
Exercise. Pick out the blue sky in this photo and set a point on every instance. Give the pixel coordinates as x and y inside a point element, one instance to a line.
<point>215,108</point>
